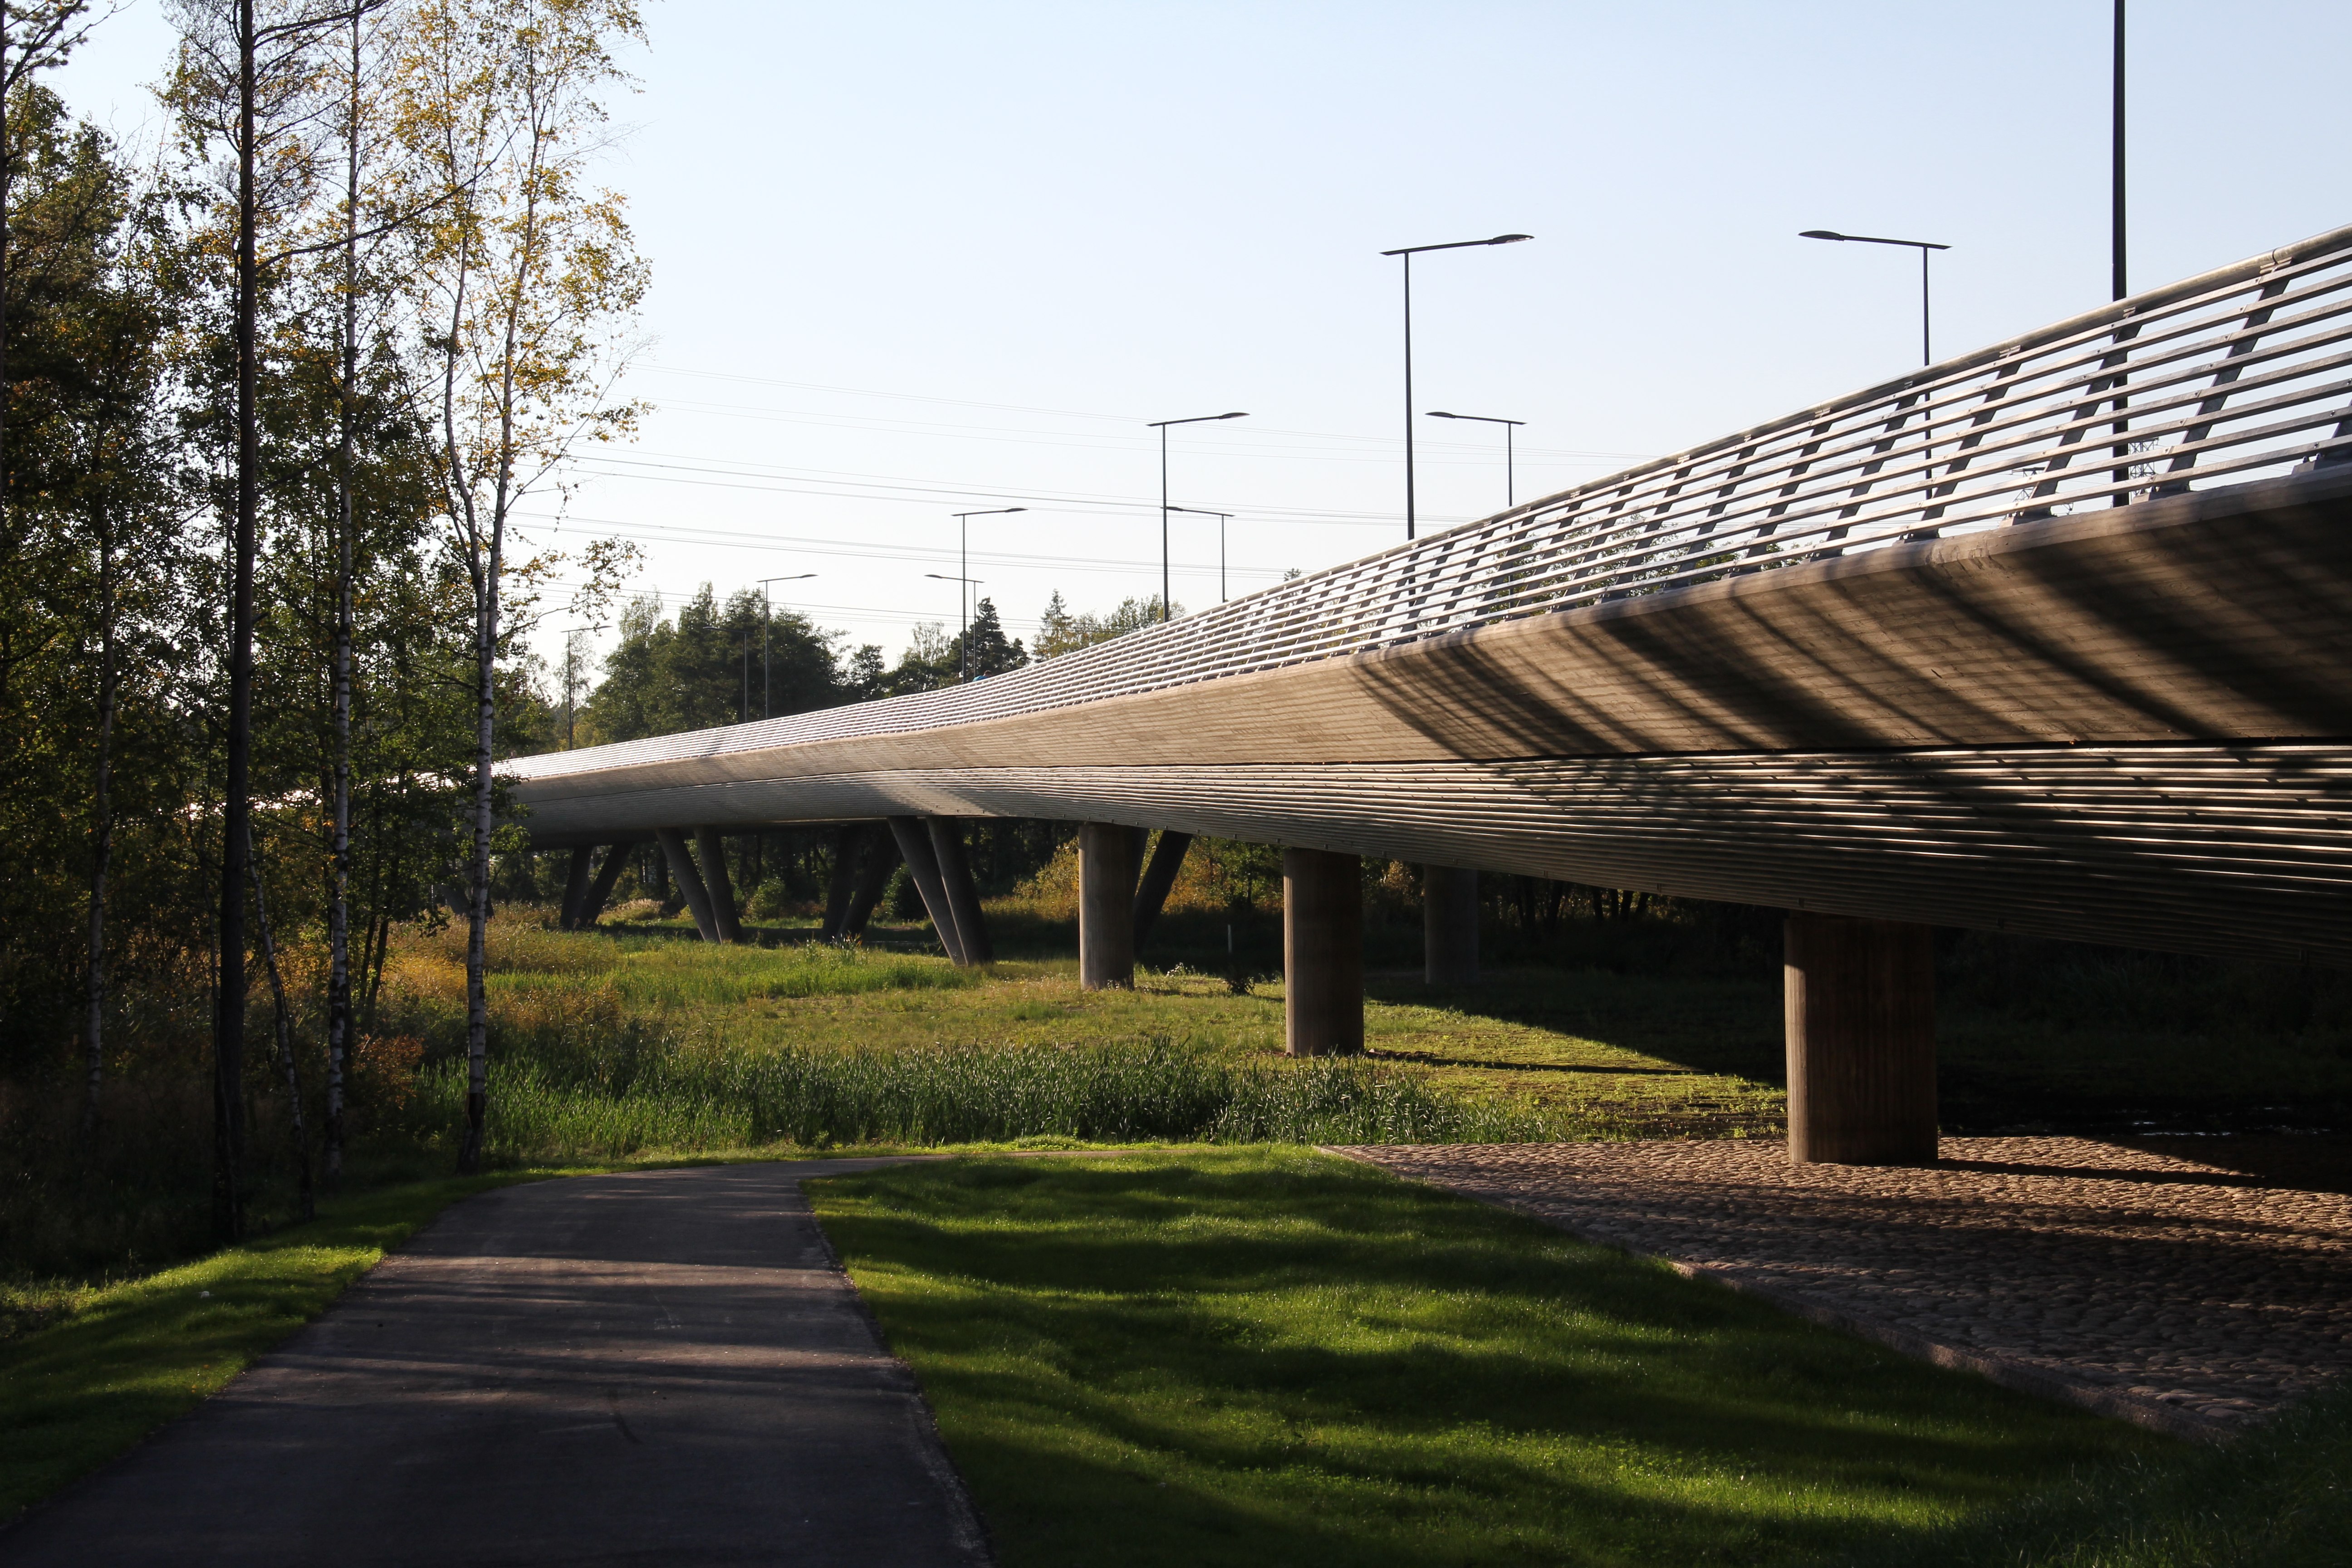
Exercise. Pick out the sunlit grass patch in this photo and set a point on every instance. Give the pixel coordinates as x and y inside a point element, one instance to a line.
<point>1267,1356</point>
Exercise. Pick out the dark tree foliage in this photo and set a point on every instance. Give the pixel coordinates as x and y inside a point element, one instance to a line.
<point>711,665</point>
<point>985,650</point>
<point>120,433</point>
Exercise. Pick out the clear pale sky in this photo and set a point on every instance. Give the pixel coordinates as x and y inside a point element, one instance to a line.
<point>920,258</point>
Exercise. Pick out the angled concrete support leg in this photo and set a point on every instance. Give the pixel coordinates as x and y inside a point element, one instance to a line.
<point>592,906</point>
<point>842,885</point>
<point>721,888</point>
<point>880,851</point>
<point>955,876</point>
<point>1167,859</point>
<point>923,866</point>
<point>1322,952</point>
<point>1106,911</point>
<point>1861,1008</point>
<point>689,880</point>
<point>575,887</point>
<point>1449,925</point>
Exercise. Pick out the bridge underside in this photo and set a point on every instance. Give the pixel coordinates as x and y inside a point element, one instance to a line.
<point>2128,726</point>
<point>2188,848</point>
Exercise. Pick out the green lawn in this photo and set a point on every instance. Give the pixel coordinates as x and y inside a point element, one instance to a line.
<point>1271,1357</point>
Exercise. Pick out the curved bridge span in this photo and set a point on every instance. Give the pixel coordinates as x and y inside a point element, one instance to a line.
<point>2055,637</point>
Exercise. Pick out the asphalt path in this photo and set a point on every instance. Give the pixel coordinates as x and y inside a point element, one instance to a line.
<point>661,1367</point>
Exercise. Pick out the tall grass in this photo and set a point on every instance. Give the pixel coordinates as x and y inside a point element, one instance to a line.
<point>602,1050</point>
<point>683,1093</point>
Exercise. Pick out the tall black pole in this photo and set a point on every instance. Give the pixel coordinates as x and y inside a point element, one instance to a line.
<point>963,597</point>
<point>1409,513</point>
<point>1510,462</point>
<point>2121,282</point>
<point>767,674</point>
<point>1926,353</point>
<point>1163,524</point>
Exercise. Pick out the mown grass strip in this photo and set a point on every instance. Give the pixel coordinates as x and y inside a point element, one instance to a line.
<point>1263,1356</point>
<point>2279,1495</point>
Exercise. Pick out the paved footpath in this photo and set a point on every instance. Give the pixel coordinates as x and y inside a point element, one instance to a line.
<point>2154,1288</point>
<point>660,1367</point>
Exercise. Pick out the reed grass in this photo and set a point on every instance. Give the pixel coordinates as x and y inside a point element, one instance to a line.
<point>678,1094</point>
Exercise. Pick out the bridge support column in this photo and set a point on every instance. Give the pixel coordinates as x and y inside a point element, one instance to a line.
<point>881,858</point>
<point>1860,1010</point>
<point>1322,952</point>
<point>1449,925</point>
<point>716,882</point>
<point>923,866</point>
<point>575,887</point>
<point>1159,877</point>
<point>842,883</point>
<point>955,876</point>
<point>1106,907</point>
<point>689,880</point>
<point>591,907</point>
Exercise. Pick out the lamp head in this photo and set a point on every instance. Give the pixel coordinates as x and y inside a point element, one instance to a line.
<point>1821,233</point>
<point>1509,238</point>
<point>1441,414</point>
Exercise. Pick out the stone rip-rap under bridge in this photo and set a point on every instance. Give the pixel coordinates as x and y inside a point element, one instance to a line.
<point>2054,638</point>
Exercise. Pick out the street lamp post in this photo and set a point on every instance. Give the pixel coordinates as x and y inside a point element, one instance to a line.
<point>767,616</point>
<point>963,647</point>
<point>1922,245</point>
<point>963,526</point>
<point>1510,429</point>
<point>1161,426</point>
<point>1222,518</point>
<point>1409,252</point>
<point>2115,218</point>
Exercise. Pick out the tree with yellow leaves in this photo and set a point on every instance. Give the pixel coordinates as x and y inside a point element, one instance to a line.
<point>531,279</point>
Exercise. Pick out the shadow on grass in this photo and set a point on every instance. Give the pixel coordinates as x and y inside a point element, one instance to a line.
<point>1271,1356</point>
<point>73,1395</point>
<point>1703,1024</point>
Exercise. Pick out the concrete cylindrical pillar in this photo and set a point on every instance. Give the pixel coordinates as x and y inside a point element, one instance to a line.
<point>963,899</point>
<point>1449,925</point>
<point>1158,880</point>
<point>881,859</point>
<point>1322,952</point>
<point>842,881</point>
<point>575,886</point>
<point>1106,906</point>
<point>923,866</point>
<point>689,880</point>
<point>1861,1017</point>
<point>592,906</point>
<point>710,854</point>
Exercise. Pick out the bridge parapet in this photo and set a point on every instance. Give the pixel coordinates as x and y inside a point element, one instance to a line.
<point>2242,373</point>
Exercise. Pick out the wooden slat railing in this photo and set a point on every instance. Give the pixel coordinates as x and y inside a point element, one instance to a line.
<point>2242,373</point>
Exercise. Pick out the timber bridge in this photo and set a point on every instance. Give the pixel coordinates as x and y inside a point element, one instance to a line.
<point>2054,638</point>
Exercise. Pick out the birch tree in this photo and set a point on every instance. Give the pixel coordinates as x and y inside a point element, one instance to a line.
<point>533,279</point>
<point>248,81</point>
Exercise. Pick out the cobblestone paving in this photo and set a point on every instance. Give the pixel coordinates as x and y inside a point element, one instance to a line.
<point>2148,1285</point>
